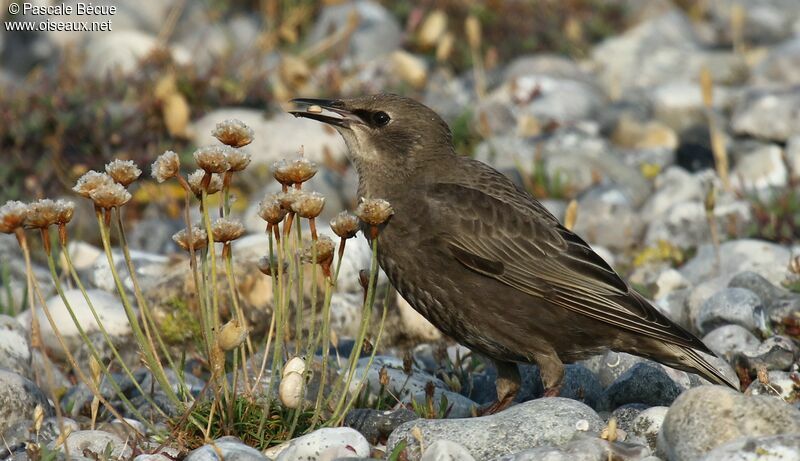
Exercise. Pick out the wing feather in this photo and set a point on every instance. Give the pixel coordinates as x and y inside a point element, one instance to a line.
<point>506,235</point>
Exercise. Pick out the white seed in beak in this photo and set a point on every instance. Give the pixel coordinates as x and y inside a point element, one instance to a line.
<point>315,109</point>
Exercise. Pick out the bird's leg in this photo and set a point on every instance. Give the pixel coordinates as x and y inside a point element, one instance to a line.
<point>552,371</point>
<point>508,382</point>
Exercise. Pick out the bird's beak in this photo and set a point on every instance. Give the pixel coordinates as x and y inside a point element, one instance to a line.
<point>315,109</point>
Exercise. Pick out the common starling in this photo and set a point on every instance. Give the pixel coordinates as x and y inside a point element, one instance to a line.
<point>485,262</point>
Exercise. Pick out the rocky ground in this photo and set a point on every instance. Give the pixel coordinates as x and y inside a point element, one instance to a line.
<point>624,131</point>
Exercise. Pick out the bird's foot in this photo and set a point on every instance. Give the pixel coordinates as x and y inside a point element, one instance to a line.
<point>496,406</point>
<point>552,391</point>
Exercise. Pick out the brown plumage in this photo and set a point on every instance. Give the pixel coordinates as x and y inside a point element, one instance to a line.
<point>485,262</point>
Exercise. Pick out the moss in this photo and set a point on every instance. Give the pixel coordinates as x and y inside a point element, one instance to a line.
<point>662,251</point>
<point>247,420</point>
<point>777,217</point>
<point>179,324</point>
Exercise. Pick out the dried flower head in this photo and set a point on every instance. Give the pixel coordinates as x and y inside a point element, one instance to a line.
<point>225,230</point>
<point>123,171</point>
<point>195,181</point>
<point>90,181</point>
<point>288,198</point>
<point>12,216</point>
<point>297,171</point>
<point>237,159</point>
<point>212,159</point>
<point>65,209</point>
<point>234,133</point>
<point>231,335</point>
<point>110,196</point>
<point>198,238</point>
<point>166,166</point>
<point>325,249</point>
<point>41,214</point>
<point>309,204</point>
<point>270,210</point>
<point>374,211</point>
<point>345,225</point>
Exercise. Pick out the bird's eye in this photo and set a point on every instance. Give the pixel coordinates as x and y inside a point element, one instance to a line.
<point>380,118</point>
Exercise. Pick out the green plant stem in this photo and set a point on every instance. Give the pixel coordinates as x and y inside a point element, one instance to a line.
<point>149,354</point>
<point>144,306</point>
<point>228,257</point>
<point>300,302</point>
<point>200,287</point>
<point>205,303</point>
<point>275,275</point>
<point>325,334</point>
<point>23,243</point>
<point>71,358</point>
<point>280,308</point>
<point>212,253</point>
<point>365,319</point>
<point>312,321</point>
<point>338,419</point>
<point>87,342</point>
<point>226,193</point>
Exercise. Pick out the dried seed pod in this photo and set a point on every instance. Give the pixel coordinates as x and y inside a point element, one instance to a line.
<point>308,204</point>
<point>794,264</point>
<point>267,266</point>
<point>212,159</point>
<point>90,181</point>
<point>472,26</point>
<point>290,390</point>
<point>96,369</point>
<point>445,47</point>
<point>110,196</point>
<point>198,238</point>
<point>12,216</point>
<point>41,214</point>
<point>294,365</point>
<point>123,171</point>
<point>225,230</point>
<point>232,335</point>
<point>270,209</point>
<point>345,225</point>
<point>38,418</point>
<point>166,166</point>
<point>383,376</point>
<point>325,249</point>
<point>292,383</point>
<point>237,159</point>
<point>234,133</point>
<point>409,68</point>
<point>432,29</point>
<point>374,211</point>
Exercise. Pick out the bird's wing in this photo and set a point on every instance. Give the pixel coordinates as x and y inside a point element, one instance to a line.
<point>506,235</point>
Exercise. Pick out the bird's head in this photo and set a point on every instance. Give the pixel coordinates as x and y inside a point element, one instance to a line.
<point>386,134</point>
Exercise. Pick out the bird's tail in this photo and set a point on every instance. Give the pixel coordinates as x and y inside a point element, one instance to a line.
<point>688,359</point>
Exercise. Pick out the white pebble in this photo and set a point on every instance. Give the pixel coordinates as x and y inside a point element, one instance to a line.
<point>582,425</point>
